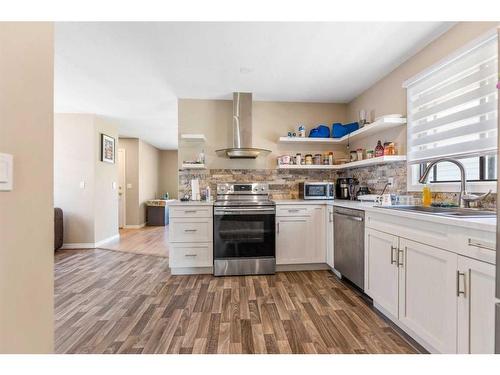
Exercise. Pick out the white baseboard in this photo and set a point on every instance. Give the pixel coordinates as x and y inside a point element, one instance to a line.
<point>106,240</point>
<point>135,226</point>
<point>78,245</point>
<point>89,245</point>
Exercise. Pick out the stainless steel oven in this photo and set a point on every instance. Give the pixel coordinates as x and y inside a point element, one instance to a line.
<point>244,230</point>
<point>316,190</point>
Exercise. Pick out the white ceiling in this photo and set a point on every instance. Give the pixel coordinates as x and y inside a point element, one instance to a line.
<point>133,73</point>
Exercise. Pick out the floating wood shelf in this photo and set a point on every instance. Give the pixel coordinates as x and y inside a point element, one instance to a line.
<point>354,164</point>
<point>193,137</point>
<point>367,130</point>
<point>193,166</point>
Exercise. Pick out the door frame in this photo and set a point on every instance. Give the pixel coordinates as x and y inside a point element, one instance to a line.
<point>122,163</point>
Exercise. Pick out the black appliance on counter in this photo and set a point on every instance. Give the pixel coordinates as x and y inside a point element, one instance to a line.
<point>244,230</point>
<point>345,188</point>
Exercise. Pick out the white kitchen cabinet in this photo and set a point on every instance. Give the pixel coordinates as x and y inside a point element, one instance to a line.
<point>381,270</point>
<point>329,237</point>
<point>476,306</point>
<point>292,243</point>
<point>318,230</point>
<point>301,239</point>
<point>427,294</point>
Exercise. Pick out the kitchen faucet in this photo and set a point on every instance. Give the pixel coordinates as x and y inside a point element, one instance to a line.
<point>464,198</point>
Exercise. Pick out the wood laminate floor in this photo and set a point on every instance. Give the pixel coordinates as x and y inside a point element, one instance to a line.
<point>118,302</point>
<point>147,241</point>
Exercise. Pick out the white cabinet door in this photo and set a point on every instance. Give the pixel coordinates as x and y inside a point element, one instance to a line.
<point>476,306</point>
<point>427,299</point>
<point>317,235</point>
<point>329,236</point>
<point>292,242</point>
<point>381,270</point>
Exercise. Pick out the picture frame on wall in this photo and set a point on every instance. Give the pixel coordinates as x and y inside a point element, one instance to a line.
<point>107,149</point>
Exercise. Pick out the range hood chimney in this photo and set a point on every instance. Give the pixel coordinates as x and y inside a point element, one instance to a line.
<point>242,130</point>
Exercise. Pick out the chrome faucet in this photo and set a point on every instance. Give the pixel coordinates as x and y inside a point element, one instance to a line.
<point>464,198</point>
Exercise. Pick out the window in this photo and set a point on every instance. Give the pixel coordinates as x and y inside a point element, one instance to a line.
<point>452,112</point>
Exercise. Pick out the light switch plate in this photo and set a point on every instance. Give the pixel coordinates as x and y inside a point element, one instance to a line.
<point>82,184</point>
<point>113,185</point>
<point>6,172</point>
<point>129,186</point>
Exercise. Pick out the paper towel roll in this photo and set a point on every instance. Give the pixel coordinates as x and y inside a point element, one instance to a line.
<point>195,190</point>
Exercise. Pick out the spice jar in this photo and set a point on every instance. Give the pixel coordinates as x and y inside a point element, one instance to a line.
<point>389,148</point>
<point>309,159</point>
<point>298,159</point>
<point>330,158</point>
<point>317,159</point>
<point>379,150</point>
<point>359,151</point>
<point>369,154</point>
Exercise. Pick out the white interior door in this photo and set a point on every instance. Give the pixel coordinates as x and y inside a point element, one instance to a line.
<point>121,188</point>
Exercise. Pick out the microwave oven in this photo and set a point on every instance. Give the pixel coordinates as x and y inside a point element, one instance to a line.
<point>316,190</point>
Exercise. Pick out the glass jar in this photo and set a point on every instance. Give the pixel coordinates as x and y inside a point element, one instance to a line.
<point>359,152</point>
<point>354,156</point>
<point>389,148</point>
<point>317,159</point>
<point>369,154</point>
<point>309,159</point>
<point>298,159</point>
<point>330,158</point>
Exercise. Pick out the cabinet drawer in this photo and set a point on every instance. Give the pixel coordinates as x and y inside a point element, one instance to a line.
<point>288,210</point>
<point>190,211</point>
<point>190,230</point>
<point>191,255</point>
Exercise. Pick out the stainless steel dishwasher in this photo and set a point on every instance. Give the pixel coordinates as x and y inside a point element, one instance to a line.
<point>349,244</point>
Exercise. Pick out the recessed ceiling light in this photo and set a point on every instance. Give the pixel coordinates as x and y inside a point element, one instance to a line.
<point>245,70</point>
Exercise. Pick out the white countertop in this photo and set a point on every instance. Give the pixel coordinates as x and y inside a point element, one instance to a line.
<point>357,205</point>
<point>486,224</point>
<point>177,202</point>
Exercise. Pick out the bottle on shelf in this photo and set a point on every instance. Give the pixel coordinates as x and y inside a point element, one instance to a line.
<point>379,150</point>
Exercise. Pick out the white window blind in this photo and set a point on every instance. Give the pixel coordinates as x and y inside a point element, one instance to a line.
<point>452,110</point>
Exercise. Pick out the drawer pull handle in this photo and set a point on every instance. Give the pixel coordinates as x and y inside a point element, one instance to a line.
<point>190,212</point>
<point>487,246</point>
<point>459,292</point>
<point>402,254</point>
<point>294,210</point>
<point>191,255</point>
<point>393,261</point>
<point>190,230</point>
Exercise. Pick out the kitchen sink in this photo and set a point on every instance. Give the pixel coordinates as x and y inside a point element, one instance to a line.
<point>446,211</point>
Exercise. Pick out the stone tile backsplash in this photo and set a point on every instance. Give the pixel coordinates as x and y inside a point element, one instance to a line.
<point>284,183</point>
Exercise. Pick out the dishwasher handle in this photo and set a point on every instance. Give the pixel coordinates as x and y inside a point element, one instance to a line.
<point>347,216</point>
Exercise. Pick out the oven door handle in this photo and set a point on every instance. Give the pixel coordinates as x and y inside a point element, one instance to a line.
<point>246,211</point>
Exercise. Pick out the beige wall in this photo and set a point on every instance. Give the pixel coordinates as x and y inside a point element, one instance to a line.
<point>142,173</point>
<point>168,174</point>
<point>26,213</point>
<point>106,188</point>
<point>74,164</point>
<point>91,212</point>
<point>149,167</point>
<point>388,96</point>
<point>213,118</point>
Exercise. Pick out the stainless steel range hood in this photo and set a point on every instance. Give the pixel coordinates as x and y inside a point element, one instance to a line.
<point>242,130</point>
